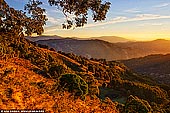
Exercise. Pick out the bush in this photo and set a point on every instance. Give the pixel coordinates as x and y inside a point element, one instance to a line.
<point>74,84</point>
<point>56,70</point>
<point>136,105</point>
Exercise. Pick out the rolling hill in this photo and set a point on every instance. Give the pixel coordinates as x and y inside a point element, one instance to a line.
<point>109,51</point>
<point>112,39</point>
<point>36,78</point>
<point>36,38</point>
<point>155,66</point>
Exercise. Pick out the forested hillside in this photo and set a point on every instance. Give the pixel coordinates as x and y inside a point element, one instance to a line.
<point>155,66</point>
<point>36,78</point>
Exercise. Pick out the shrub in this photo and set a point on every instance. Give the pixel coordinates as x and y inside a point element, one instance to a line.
<point>136,105</point>
<point>73,83</point>
<point>56,70</point>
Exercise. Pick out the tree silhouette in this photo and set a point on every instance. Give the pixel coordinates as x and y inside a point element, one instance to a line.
<point>33,19</point>
<point>18,22</point>
<point>80,8</point>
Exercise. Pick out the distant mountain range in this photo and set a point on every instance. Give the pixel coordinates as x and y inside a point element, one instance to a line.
<point>43,38</point>
<point>112,39</point>
<point>95,48</point>
<point>156,66</point>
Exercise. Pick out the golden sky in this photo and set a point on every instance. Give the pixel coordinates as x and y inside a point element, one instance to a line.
<point>132,19</point>
<point>149,28</point>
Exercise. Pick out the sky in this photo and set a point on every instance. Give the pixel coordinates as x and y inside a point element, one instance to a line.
<point>139,20</point>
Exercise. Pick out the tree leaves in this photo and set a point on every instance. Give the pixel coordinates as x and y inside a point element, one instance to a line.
<point>18,22</point>
<point>80,10</point>
<point>33,20</point>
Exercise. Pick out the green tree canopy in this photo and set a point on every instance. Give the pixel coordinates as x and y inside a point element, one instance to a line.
<point>34,18</point>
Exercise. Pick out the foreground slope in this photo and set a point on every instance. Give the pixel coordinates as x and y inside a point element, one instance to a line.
<point>21,88</point>
<point>76,80</point>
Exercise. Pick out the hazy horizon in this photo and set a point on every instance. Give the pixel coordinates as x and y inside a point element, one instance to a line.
<point>99,37</point>
<point>131,19</point>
